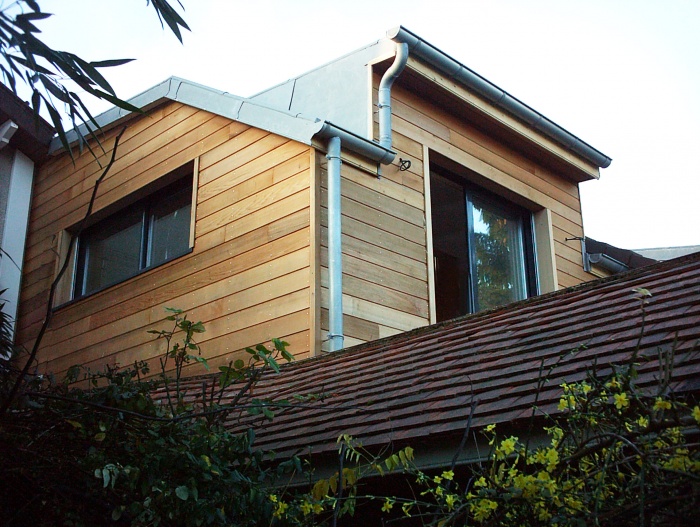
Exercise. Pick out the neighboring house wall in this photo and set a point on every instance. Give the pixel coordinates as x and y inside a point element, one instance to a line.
<point>24,141</point>
<point>247,277</point>
<point>16,173</point>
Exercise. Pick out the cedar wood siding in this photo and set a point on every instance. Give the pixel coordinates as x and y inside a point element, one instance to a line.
<point>260,252</point>
<point>248,277</point>
<point>417,120</point>
<point>385,269</point>
<point>385,289</point>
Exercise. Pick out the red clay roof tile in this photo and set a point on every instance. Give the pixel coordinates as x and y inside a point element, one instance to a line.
<point>421,383</point>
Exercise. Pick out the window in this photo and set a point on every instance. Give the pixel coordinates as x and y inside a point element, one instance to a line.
<point>483,248</point>
<point>136,238</point>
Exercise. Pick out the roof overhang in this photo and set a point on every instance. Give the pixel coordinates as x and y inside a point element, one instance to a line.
<point>33,134</point>
<point>472,81</point>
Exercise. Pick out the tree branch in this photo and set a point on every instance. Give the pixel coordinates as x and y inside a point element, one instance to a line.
<point>52,291</point>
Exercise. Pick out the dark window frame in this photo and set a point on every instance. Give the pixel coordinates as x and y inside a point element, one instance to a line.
<point>467,284</point>
<point>145,207</point>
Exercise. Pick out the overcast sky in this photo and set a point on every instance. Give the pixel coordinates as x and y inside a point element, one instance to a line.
<point>623,75</point>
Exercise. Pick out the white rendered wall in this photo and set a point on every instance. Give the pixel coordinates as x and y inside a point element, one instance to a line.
<point>19,194</point>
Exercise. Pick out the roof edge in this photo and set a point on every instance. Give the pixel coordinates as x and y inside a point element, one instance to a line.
<point>358,144</point>
<point>457,71</point>
<point>222,103</point>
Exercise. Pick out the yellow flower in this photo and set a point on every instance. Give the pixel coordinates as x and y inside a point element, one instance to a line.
<point>450,500</point>
<point>318,508</point>
<point>438,491</point>
<point>273,498</point>
<point>448,475</point>
<point>388,504</point>
<point>643,422</point>
<point>490,428</point>
<point>660,404</point>
<point>306,508</point>
<point>612,384</point>
<point>437,479</point>
<point>481,482</point>
<point>567,402</point>
<point>621,401</point>
<point>552,459</point>
<point>281,509</point>
<point>508,445</point>
<point>483,509</point>
<point>696,414</point>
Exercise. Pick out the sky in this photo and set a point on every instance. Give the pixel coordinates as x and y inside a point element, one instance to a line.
<point>622,75</point>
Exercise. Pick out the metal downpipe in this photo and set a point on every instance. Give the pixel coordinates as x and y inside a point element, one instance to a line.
<point>335,263</point>
<point>384,96</point>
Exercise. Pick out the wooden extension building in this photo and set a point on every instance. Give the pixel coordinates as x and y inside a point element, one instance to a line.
<point>385,191</point>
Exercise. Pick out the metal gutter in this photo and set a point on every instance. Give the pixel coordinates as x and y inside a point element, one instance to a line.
<point>358,144</point>
<point>474,82</point>
<point>604,261</point>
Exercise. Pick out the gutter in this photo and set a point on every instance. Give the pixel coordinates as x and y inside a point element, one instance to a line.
<point>604,261</point>
<point>357,144</point>
<point>500,98</point>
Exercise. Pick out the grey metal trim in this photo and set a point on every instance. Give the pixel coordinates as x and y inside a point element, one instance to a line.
<point>221,103</point>
<point>475,82</point>
<point>359,145</point>
<point>249,112</point>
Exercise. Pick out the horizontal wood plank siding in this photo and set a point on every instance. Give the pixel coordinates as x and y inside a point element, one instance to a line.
<point>498,168</point>
<point>385,287</point>
<point>247,278</point>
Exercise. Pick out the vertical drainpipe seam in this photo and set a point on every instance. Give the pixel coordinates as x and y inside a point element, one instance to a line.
<point>335,255</point>
<point>335,263</point>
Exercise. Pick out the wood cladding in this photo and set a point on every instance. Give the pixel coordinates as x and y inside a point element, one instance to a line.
<point>258,268</point>
<point>247,278</point>
<point>499,169</point>
<point>385,288</point>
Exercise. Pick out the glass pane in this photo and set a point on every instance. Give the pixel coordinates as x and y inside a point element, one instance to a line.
<point>111,251</point>
<point>450,251</point>
<point>169,225</point>
<point>499,260</point>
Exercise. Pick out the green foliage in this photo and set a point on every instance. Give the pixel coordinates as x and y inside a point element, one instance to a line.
<point>615,454</point>
<point>619,455</point>
<point>26,59</point>
<point>123,449</point>
<point>130,450</point>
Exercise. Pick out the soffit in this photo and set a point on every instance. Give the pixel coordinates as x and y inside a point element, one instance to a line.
<point>34,133</point>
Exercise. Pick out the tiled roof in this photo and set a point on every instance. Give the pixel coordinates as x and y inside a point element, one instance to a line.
<point>419,385</point>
